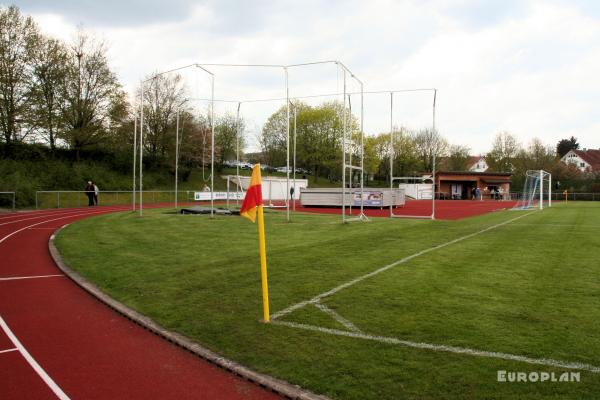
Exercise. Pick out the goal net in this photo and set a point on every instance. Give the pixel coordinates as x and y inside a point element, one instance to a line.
<point>537,191</point>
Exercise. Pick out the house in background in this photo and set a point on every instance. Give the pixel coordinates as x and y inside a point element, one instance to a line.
<point>584,160</point>
<point>477,164</point>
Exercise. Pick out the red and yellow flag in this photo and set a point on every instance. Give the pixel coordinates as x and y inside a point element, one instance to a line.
<point>253,197</point>
<point>252,206</point>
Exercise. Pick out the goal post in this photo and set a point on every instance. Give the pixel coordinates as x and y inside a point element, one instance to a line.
<point>537,191</point>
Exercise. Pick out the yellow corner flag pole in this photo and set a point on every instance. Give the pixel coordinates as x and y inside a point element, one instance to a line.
<point>263,264</point>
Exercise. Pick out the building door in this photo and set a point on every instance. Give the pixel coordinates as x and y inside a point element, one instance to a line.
<point>456,191</point>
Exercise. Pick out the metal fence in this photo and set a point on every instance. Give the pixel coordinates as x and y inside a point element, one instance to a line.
<point>558,196</point>
<point>8,200</point>
<point>78,198</point>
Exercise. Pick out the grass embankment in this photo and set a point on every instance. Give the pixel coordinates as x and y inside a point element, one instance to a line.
<point>529,288</point>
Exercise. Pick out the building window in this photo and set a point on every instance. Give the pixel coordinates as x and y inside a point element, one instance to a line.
<point>581,165</point>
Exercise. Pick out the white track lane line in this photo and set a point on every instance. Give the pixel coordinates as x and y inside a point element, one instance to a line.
<point>36,367</point>
<point>38,212</point>
<point>16,278</point>
<point>56,219</point>
<point>8,350</point>
<point>50,214</point>
<point>549,362</point>
<point>353,282</point>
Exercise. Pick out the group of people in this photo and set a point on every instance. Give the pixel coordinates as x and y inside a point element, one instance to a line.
<point>495,193</point>
<point>92,191</point>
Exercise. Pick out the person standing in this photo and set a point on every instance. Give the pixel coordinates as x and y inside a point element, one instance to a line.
<point>96,193</point>
<point>89,192</point>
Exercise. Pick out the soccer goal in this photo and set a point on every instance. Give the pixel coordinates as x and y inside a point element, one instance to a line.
<point>537,190</point>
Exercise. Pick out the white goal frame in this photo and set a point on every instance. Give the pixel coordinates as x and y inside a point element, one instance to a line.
<point>539,177</point>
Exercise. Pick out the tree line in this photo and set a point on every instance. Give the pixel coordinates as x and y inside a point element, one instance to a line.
<point>66,95</point>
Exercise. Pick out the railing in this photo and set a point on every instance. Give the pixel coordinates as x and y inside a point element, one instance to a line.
<point>8,194</point>
<point>558,196</point>
<point>78,198</point>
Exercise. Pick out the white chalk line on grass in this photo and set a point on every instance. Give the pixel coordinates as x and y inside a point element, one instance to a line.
<point>36,367</point>
<point>561,225</point>
<point>549,362</point>
<point>8,350</point>
<point>15,278</point>
<point>349,325</point>
<point>353,282</point>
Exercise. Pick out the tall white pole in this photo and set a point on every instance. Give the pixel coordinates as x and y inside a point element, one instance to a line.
<point>287,97</point>
<point>294,185</point>
<point>237,153</point>
<point>541,189</point>
<point>141,148</point>
<point>434,159</point>
<point>134,162</point>
<point>549,190</point>
<point>391,150</point>
<point>344,151</point>
<point>212,147</point>
<point>176,156</point>
<point>362,150</point>
<point>348,121</point>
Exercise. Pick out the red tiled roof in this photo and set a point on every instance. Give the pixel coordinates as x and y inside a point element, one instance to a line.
<point>473,160</point>
<point>592,157</point>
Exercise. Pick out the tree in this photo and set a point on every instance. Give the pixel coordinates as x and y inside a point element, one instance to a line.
<point>319,134</point>
<point>430,144</point>
<point>536,156</point>
<point>18,35</point>
<point>566,145</point>
<point>458,157</point>
<point>49,70</point>
<point>227,130</point>
<point>164,95</point>
<point>407,161</point>
<point>504,151</point>
<point>91,92</point>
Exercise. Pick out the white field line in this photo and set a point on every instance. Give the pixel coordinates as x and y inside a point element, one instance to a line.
<point>549,362</point>
<point>36,367</point>
<point>8,350</point>
<point>561,225</point>
<point>353,282</point>
<point>15,278</point>
<point>56,219</point>
<point>349,325</point>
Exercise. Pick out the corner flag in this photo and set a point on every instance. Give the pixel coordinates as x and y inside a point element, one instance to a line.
<point>253,197</point>
<point>251,205</point>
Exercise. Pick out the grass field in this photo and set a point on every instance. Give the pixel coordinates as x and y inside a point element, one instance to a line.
<point>522,284</point>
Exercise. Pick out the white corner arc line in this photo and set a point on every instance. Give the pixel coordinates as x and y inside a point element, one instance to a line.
<point>443,348</point>
<point>8,350</point>
<point>353,282</point>
<point>343,321</point>
<point>37,368</point>
<point>15,278</point>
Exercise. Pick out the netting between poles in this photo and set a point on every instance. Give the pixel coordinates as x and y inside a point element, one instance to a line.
<point>534,188</point>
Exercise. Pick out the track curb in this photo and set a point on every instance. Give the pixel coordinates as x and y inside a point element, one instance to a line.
<point>278,386</point>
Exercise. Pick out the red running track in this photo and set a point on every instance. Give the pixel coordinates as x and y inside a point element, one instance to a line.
<point>444,209</point>
<point>73,346</point>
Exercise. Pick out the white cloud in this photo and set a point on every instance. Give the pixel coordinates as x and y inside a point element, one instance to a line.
<point>526,67</point>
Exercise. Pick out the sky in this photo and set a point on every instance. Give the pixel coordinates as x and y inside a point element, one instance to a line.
<point>526,67</point>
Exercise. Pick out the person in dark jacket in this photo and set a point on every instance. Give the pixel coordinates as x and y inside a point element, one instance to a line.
<point>90,192</point>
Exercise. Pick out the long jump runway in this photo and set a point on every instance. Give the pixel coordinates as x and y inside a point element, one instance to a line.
<point>56,341</point>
